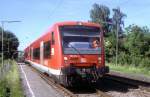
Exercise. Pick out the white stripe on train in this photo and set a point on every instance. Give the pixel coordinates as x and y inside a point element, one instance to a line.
<point>45,69</point>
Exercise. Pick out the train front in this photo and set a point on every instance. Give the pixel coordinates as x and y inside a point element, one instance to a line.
<point>83,54</point>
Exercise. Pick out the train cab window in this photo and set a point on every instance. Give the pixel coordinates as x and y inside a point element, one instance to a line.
<point>79,39</point>
<point>36,53</point>
<point>47,49</point>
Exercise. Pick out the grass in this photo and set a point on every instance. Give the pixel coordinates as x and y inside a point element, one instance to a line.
<point>10,86</point>
<point>129,69</point>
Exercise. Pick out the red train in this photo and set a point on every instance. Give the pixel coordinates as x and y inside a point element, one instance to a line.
<point>70,52</point>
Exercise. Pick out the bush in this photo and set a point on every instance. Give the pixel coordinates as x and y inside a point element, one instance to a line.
<point>132,60</point>
<point>145,63</point>
<point>122,58</point>
<point>136,61</point>
<point>10,86</point>
<point>3,84</point>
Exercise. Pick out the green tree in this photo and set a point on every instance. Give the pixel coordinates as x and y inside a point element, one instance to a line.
<point>118,20</point>
<point>137,45</point>
<point>100,14</point>
<point>10,43</point>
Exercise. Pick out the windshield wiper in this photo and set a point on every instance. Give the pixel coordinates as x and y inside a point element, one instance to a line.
<point>74,49</point>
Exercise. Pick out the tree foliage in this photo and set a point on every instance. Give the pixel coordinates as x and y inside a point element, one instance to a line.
<point>133,42</point>
<point>134,47</point>
<point>10,43</point>
<point>137,44</point>
<point>100,14</point>
<point>118,20</point>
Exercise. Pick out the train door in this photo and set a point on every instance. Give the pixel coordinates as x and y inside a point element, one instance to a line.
<point>41,52</point>
<point>32,53</point>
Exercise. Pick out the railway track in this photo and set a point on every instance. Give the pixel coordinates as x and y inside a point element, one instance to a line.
<point>98,93</point>
<point>129,81</point>
<point>54,84</point>
<point>66,92</point>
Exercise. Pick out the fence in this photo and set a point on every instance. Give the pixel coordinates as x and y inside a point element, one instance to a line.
<point>4,69</point>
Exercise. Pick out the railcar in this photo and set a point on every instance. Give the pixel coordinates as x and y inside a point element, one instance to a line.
<point>70,52</point>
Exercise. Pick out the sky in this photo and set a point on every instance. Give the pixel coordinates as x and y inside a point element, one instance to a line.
<point>37,16</point>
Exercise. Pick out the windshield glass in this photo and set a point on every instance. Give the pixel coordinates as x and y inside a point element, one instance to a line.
<point>80,39</point>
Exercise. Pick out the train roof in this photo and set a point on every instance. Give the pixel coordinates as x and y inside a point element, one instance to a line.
<point>67,23</point>
<point>76,23</point>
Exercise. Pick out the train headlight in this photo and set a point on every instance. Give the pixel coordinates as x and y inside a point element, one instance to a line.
<point>99,60</point>
<point>79,23</point>
<point>65,58</point>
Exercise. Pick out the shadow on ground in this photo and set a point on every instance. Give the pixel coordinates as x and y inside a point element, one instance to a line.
<point>103,84</point>
<point>106,85</point>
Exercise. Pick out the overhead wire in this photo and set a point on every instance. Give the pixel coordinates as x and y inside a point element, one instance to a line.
<point>122,3</point>
<point>55,9</point>
<point>140,11</point>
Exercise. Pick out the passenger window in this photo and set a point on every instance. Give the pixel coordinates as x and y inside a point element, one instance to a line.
<point>26,54</point>
<point>36,53</point>
<point>47,49</point>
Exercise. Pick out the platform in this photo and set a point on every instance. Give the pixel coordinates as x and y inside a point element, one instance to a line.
<point>34,85</point>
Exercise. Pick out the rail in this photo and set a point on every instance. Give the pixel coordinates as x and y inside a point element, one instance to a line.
<point>64,91</point>
<point>55,85</point>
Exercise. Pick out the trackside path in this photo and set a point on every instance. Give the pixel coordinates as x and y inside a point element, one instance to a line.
<point>34,85</point>
<point>131,76</point>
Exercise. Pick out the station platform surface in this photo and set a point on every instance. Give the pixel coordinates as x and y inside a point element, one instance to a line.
<point>33,85</point>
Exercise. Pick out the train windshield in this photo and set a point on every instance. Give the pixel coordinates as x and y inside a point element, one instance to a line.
<point>80,39</point>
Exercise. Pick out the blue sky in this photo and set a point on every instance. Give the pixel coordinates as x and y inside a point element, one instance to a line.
<point>38,15</point>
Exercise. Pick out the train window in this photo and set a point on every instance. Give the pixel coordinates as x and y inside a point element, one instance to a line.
<point>25,54</point>
<point>53,40</point>
<point>80,39</point>
<point>30,52</point>
<point>47,49</point>
<point>36,53</point>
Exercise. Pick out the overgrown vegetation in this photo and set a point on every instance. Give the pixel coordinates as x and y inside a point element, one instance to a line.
<point>10,85</point>
<point>129,69</point>
<point>133,41</point>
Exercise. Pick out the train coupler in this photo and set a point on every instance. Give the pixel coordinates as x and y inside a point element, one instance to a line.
<point>103,70</point>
